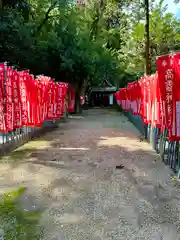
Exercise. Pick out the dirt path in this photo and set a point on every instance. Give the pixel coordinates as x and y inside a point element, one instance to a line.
<point>72,174</point>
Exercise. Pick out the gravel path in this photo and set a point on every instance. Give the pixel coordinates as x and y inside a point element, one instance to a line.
<point>72,174</point>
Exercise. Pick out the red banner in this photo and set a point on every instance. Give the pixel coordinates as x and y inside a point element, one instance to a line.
<point>50,113</point>
<point>16,100</point>
<point>2,102</point>
<point>176,98</point>
<point>23,98</point>
<point>9,110</point>
<point>156,98</point>
<point>44,85</point>
<point>62,96</point>
<point>59,110</point>
<point>166,79</point>
<point>25,101</point>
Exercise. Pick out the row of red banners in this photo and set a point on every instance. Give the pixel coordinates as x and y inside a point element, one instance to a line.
<point>156,98</point>
<point>25,101</point>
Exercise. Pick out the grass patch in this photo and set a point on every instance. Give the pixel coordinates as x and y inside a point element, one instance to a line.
<point>37,143</point>
<point>15,222</point>
<point>22,153</point>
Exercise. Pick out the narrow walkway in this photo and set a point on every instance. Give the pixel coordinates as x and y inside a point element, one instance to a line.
<point>72,174</point>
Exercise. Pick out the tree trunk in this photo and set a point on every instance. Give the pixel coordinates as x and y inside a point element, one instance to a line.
<point>147,44</point>
<point>80,92</point>
<point>78,108</point>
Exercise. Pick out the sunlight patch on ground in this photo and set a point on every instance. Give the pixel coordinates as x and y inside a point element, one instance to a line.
<point>69,148</point>
<point>40,177</point>
<point>68,218</point>
<point>126,142</point>
<point>63,193</point>
<point>76,117</point>
<point>111,113</point>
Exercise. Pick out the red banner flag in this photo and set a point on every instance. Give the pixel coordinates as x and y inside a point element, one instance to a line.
<point>9,110</point>
<point>16,100</point>
<point>176,98</point>
<point>166,78</point>
<point>62,91</point>
<point>44,84</point>
<point>2,103</point>
<point>59,109</point>
<point>23,97</point>
<point>50,114</point>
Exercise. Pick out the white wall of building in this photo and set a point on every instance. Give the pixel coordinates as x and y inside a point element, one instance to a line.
<point>110,99</point>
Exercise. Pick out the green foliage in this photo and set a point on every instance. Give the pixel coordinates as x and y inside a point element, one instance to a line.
<point>164,37</point>
<point>78,43</point>
<point>56,41</point>
<point>15,222</point>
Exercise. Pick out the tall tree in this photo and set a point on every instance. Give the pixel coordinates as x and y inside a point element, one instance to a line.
<point>164,37</point>
<point>147,40</point>
<point>83,42</point>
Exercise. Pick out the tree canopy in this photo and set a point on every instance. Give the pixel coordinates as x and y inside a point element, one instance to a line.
<point>84,40</point>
